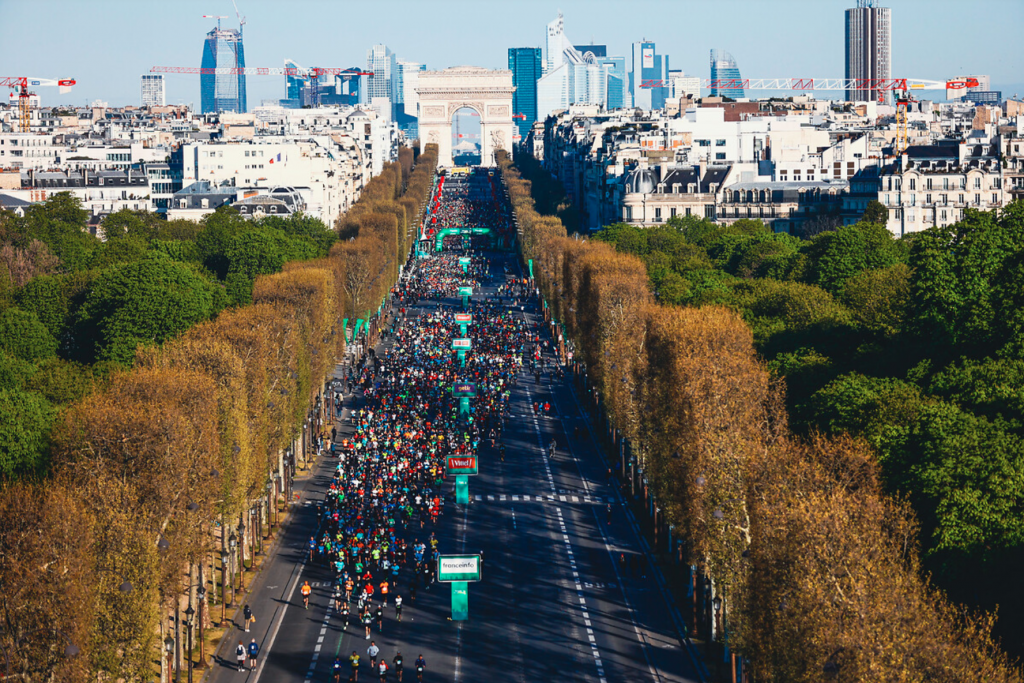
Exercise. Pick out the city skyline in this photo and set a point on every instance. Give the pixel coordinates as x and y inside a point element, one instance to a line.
<point>113,45</point>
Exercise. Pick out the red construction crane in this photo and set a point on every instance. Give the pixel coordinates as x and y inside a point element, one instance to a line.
<point>22,83</point>
<point>261,71</point>
<point>805,84</point>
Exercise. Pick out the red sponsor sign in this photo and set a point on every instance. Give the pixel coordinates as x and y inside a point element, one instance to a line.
<point>462,464</point>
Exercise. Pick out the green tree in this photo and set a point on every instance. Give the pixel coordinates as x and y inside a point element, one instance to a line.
<point>219,228</point>
<point>879,299</point>
<point>60,223</point>
<point>836,256</point>
<point>144,302</point>
<point>46,296</point>
<point>24,336</point>
<point>876,213</point>
<point>14,372</point>
<point>25,423</point>
<point>256,252</point>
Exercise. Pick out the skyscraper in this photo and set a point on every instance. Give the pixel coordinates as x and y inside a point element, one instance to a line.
<point>617,86</point>
<point>407,77</point>
<point>152,90</point>
<point>724,68</point>
<point>293,84</point>
<point>382,62</point>
<point>648,80</point>
<point>525,65</point>
<point>868,48</point>
<point>223,92</point>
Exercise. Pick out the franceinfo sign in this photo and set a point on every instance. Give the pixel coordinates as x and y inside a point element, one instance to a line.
<point>458,568</point>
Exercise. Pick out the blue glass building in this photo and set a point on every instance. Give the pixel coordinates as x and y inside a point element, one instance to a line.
<point>723,67</point>
<point>618,84</point>
<point>648,81</point>
<point>525,65</point>
<point>223,92</point>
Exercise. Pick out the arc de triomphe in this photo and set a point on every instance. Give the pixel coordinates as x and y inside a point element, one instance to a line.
<point>487,92</point>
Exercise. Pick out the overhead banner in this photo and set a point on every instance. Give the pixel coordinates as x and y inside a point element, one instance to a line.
<point>462,344</point>
<point>464,318</point>
<point>465,291</point>
<point>464,389</point>
<point>459,464</point>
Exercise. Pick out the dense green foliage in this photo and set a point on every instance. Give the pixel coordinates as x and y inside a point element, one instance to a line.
<point>73,307</point>
<point>915,344</point>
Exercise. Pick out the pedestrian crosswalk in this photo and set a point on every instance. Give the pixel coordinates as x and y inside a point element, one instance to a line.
<point>544,498</point>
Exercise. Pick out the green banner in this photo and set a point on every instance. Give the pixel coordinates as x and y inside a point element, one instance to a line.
<point>344,331</point>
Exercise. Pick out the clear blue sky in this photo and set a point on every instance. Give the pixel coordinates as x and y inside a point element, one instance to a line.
<point>107,44</point>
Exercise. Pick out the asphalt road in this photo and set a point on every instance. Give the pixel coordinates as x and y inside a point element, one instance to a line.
<point>553,605</point>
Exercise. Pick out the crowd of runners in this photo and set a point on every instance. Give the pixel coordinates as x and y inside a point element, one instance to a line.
<point>388,493</point>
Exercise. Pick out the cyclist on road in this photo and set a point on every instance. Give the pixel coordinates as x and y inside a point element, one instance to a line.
<point>306,590</point>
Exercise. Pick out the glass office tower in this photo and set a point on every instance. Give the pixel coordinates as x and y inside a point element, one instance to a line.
<point>223,92</point>
<point>525,65</point>
<point>723,68</point>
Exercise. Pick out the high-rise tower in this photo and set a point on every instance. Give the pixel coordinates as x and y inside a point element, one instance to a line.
<point>724,68</point>
<point>223,92</point>
<point>868,48</point>
<point>525,65</point>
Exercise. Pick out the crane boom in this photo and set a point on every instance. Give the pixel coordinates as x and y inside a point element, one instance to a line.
<point>22,83</point>
<point>260,71</point>
<point>804,84</point>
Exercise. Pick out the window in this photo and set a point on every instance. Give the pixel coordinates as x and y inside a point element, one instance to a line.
<point>205,203</point>
<point>719,143</point>
<point>977,199</point>
<point>977,182</point>
<point>995,198</point>
<point>943,215</point>
<point>928,184</point>
<point>673,212</point>
<point>927,199</point>
<point>913,183</point>
<point>657,214</point>
<point>997,183</point>
<point>703,143</point>
<point>945,183</point>
<point>944,198</point>
<point>709,211</point>
<point>687,211</point>
<point>960,200</point>
<point>629,213</point>
<point>719,155</point>
<point>887,200</point>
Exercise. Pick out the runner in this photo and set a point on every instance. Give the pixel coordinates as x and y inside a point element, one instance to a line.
<point>397,662</point>
<point>421,664</point>
<point>398,608</point>
<point>306,590</point>
<point>354,663</point>
<point>372,653</point>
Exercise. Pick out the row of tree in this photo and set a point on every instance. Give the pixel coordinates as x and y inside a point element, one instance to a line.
<point>914,344</point>
<point>817,566</point>
<point>143,467</point>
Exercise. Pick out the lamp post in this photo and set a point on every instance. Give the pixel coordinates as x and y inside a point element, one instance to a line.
<point>270,489</point>
<point>169,648</point>
<point>241,555</point>
<point>224,558</point>
<point>201,598</point>
<point>189,613</point>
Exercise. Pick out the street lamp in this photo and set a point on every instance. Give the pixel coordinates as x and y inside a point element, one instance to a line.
<point>241,555</point>
<point>270,489</point>
<point>189,613</point>
<point>201,598</point>
<point>169,648</point>
<point>717,603</point>
<point>224,558</point>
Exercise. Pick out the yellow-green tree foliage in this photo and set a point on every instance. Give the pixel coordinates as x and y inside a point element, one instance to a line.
<point>818,568</point>
<point>189,433</point>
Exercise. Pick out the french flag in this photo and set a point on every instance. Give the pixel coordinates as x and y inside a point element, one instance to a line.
<point>277,158</point>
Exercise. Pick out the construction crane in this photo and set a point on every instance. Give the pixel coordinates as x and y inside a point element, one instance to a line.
<point>218,17</point>
<point>22,83</point>
<point>900,87</point>
<point>313,73</point>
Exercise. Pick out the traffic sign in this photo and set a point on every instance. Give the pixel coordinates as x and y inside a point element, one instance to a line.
<point>451,568</point>
<point>463,464</point>
<point>464,344</point>
<point>463,389</point>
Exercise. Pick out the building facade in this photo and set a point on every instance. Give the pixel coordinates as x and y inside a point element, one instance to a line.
<point>153,94</point>
<point>223,49</point>
<point>724,68</point>
<point>525,65</point>
<point>381,61</point>
<point>868,49</point>
<point>649,76</point>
